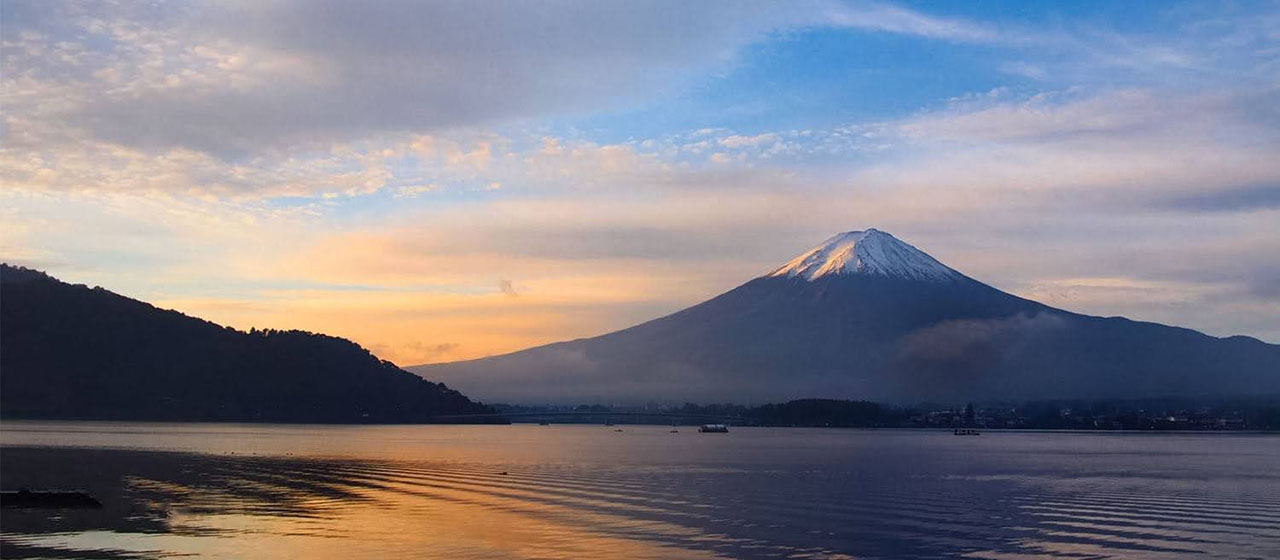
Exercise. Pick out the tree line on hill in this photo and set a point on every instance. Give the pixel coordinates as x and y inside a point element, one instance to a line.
<point>70,351</point>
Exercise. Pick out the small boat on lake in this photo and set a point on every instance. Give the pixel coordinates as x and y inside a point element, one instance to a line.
<point>713,429</point>
<point>966,432</point>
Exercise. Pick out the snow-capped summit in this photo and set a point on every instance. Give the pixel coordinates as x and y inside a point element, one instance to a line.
<point>871,252</point>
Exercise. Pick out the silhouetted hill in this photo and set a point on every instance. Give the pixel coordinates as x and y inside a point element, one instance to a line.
<point>70,351</point>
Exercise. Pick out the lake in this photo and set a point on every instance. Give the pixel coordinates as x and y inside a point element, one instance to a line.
<point>562,491</point>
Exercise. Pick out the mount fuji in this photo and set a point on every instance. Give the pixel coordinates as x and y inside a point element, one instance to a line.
<point>865,315</point>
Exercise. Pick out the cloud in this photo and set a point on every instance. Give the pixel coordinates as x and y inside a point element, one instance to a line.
<point>889,18</point>
<point>411,191</point>
<point>506,287</point>
<point>220,153</point>
<point>416,352</point>
<point>956,357</point>
<point>1113,151</point>
<point>1247,198</point>
<point>232,79</point>
<point>237,79</point>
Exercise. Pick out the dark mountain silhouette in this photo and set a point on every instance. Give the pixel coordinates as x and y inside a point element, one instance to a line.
<point>867,316</point>
<point>69,351</point>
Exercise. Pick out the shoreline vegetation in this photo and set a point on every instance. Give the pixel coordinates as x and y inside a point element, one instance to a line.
<point>1157,414</point>
<point>1255,414</point>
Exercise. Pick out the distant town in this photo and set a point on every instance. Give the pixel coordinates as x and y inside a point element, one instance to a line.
<point>1251,414</point>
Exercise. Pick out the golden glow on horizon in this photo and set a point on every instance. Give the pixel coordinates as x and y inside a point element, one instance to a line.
<point>411,328</point>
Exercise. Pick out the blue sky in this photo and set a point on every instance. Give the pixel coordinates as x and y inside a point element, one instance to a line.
<point>450,180</point>
<point>810,78</point>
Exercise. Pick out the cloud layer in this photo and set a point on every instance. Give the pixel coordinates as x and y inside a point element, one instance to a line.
<point>432,179</point>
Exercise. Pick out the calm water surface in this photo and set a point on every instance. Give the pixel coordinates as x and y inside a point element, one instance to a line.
<point>524,491</point>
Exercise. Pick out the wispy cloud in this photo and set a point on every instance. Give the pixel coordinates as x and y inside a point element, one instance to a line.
<point>889,18</point>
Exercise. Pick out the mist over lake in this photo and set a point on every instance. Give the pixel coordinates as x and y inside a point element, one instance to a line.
<point>528,491</point>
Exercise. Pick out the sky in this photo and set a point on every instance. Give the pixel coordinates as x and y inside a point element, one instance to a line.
<point>443,181</point>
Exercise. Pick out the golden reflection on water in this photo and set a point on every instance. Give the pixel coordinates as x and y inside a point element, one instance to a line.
<point>588,492</point>
<point>440,511</point>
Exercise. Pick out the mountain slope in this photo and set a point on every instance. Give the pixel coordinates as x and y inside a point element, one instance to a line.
<point>868,316</point>
<point>69,351</point>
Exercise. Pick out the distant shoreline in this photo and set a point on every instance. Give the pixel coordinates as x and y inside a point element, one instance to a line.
<point>10,421</point>
<point>1259,414</point>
